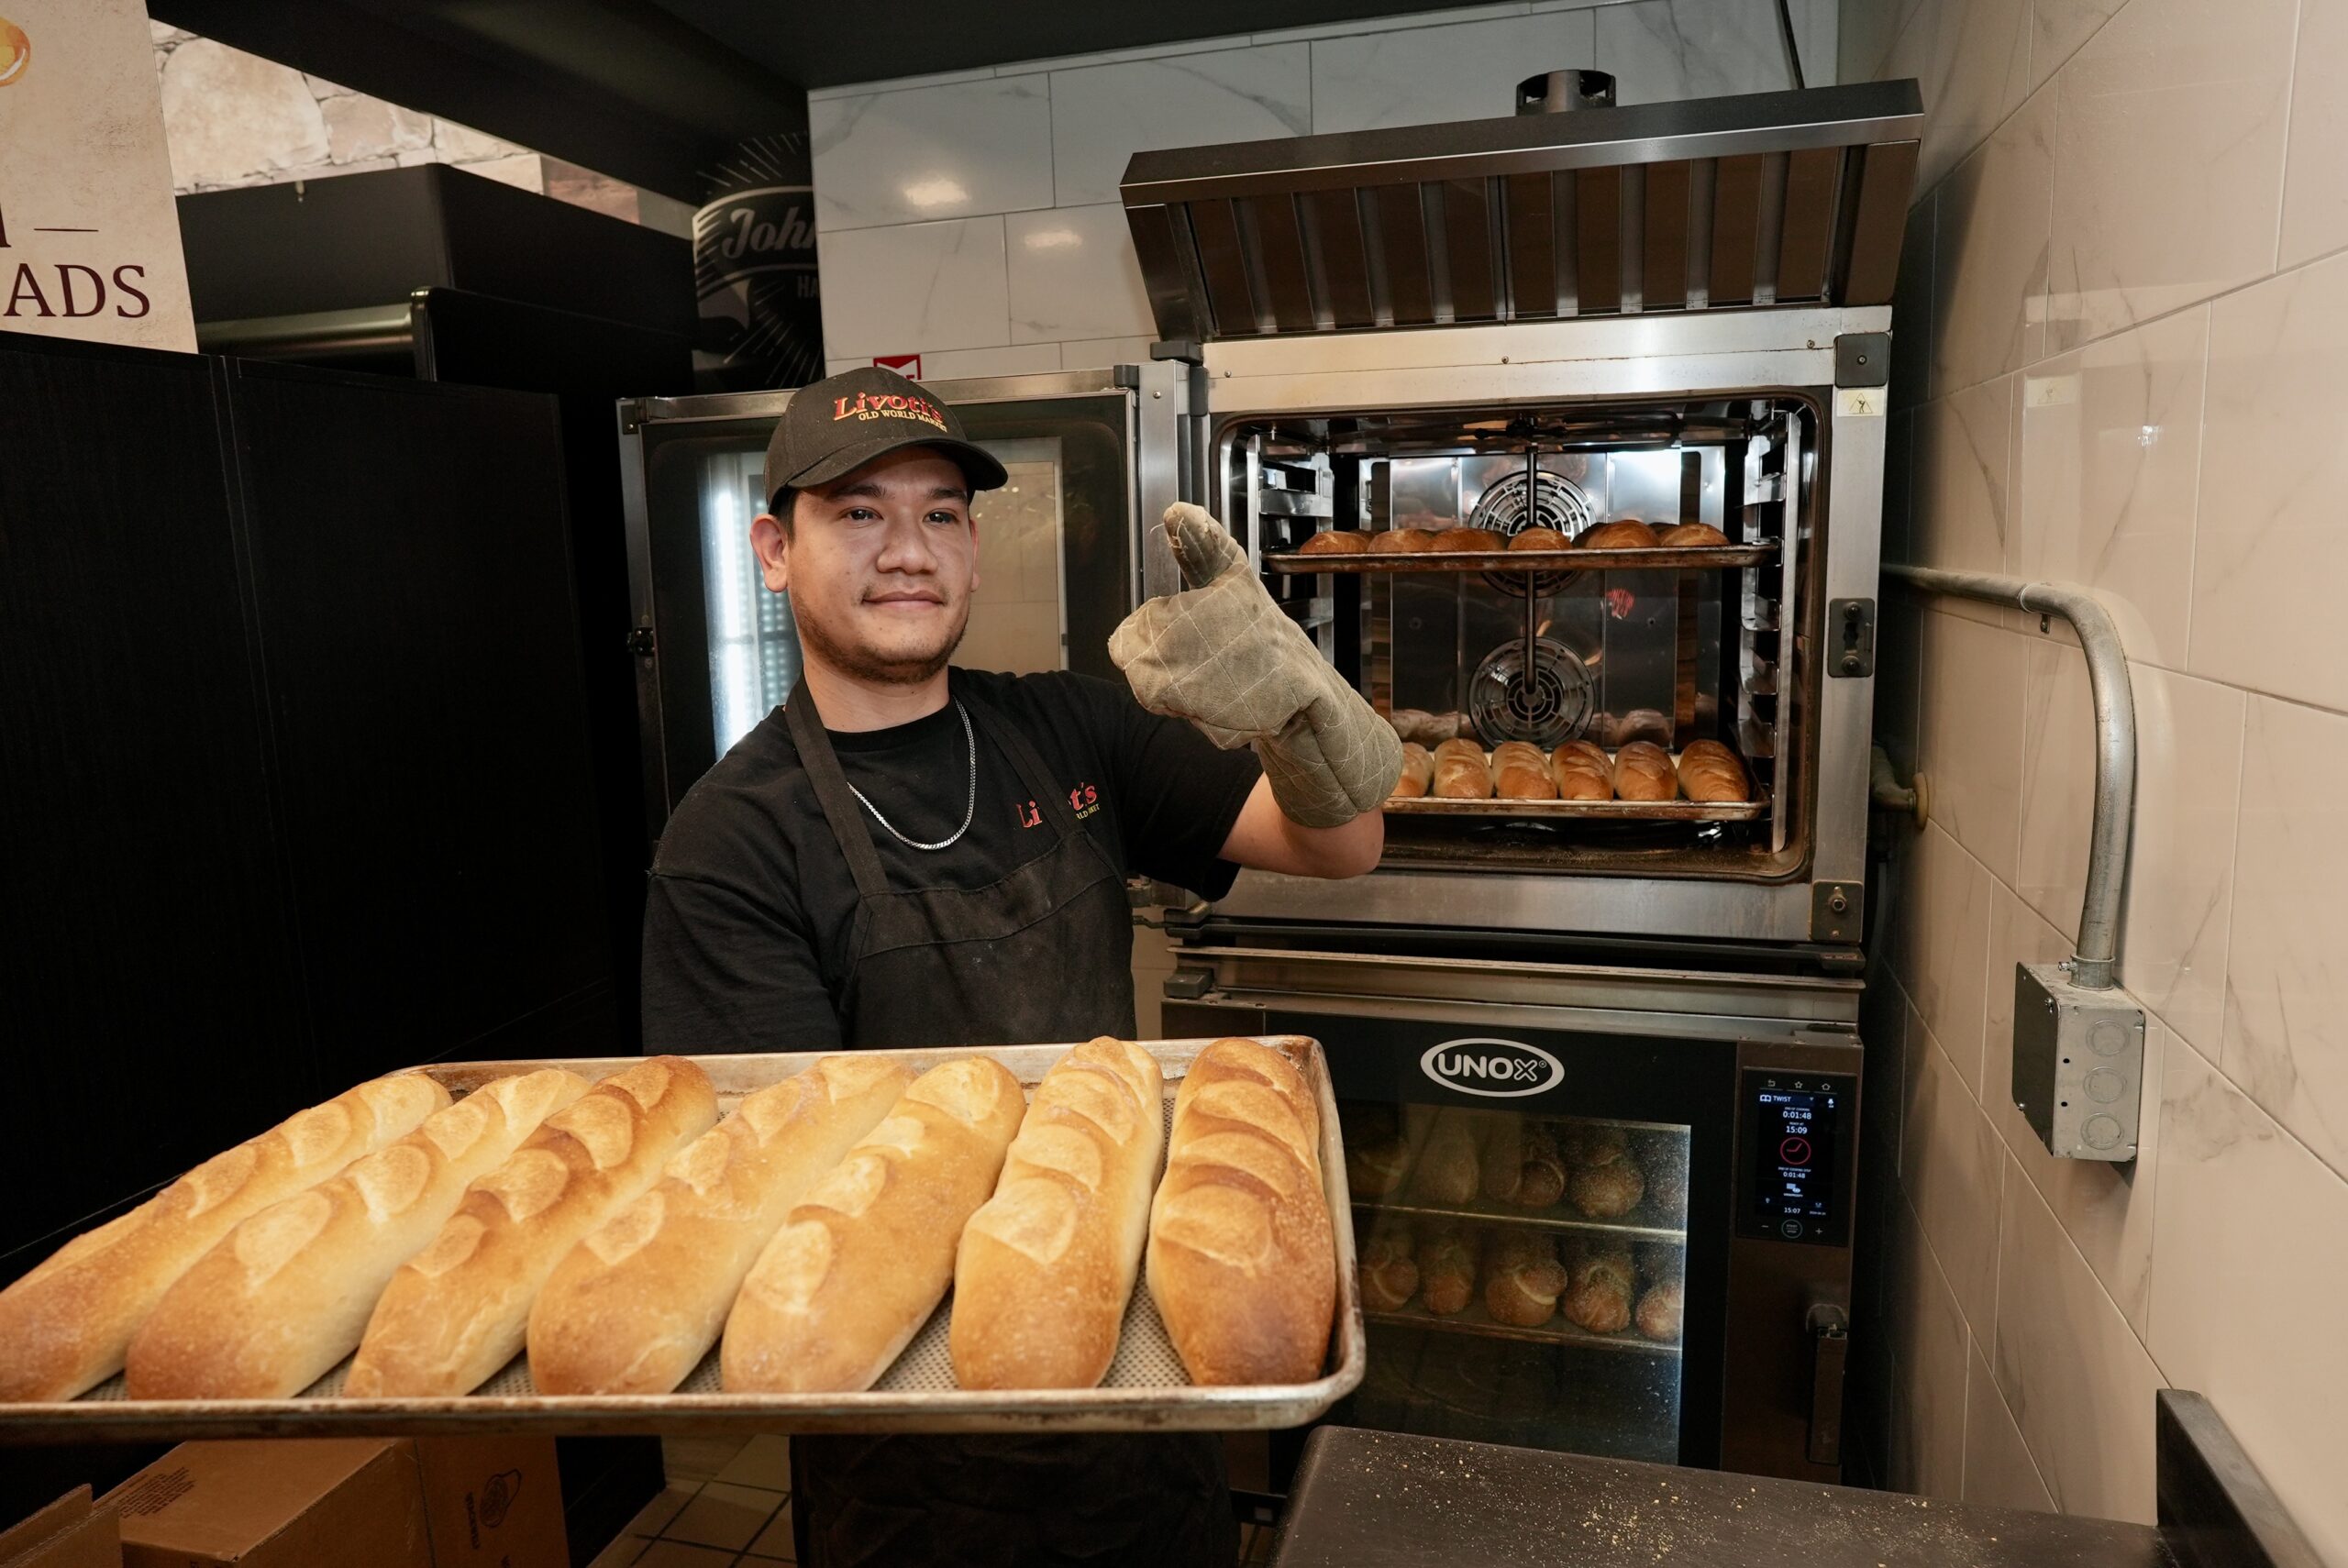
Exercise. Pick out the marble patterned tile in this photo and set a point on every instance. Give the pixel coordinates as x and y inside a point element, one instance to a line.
<point>2072,1371</point>
<point>1866,36</point>
<point>1998,1471</point>
<point>1929,1347</point>
<point>2315,166</point>
<point>1961,502</point>
<point>1661,50</point>
<point>1972,741</point>
<point>1990,252</point>
<point>1073,274</point>
<point>1102,114</point>
<point>934,152</point>
<point>2176,931</point>
<point>1088,353</point>
<point>1951,1161</point>
<point>1012,360</point>
<point>2058,28</point>
<point>2168,162</point>
<point>1940,942</point>
<point>1408,21</point>
<point>1460,71</point>
<point>2109,472</point>
<point>1971,61</point>
<point>2286,1038</point>
<point>914,288</point>
<point>2057,782</point>
<point>2247,1282</point>
<point>1911,308</point>
<point>2270,546</point>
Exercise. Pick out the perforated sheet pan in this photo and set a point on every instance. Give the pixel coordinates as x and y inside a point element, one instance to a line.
<point>1145,1389</point>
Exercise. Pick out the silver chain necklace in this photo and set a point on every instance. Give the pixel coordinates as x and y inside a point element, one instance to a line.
<point>969,811</point>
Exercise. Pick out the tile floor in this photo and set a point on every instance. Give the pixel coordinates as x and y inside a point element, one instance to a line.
<point>728,1506</point>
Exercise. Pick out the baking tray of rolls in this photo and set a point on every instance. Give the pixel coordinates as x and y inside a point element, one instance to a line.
<point>824,1174</point>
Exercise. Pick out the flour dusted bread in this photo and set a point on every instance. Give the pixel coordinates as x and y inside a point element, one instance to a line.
<point>1242,1254</point>
<point>1461,772</point>
<point>457,1311</point>
<point>1047,1264</point>
<point>1418,772</point>
<point>286,1295</point>
<point>65,1326</point>
<point>860,1263</point>
<point>1521,772</point>
<point>633,1307</point>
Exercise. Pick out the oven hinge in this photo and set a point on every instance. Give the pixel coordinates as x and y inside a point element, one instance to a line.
<point>1850,631</point>
<point>1837,912</point>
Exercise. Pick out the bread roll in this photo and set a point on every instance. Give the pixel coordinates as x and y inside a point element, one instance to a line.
<point>1418,772</point>
<point>1692,535</point>
<point>64,1327</point>
<point>1539,539</point>
<point>1608,1191</point>
<point>1664,1158</point>
<point>1581,772</point>
<point>1449,1167</point>
<point>1390,1275</point>
<point>1469,539</point>
<point>1335,542</point>
<point>1047,1264</point>
<point>1242,1253</point>
<point>1541,1173</point>
<point>1710,771</point>
<point>458,1312</point>
<point>285,1296</point>
<point>1401,541</point>
<point>633,1307</point>
<point>1661,1309</point>
<point>1625,534</point>
<point>1462,774</point>
<point>1458,745</point>
<point>1604,1284</point>
<point>1521,772</point>
<point>1523,1278</point>
<point>1593,1144</point>
<point>1415,725</point>
<point>1643,771</point>
<point>1640,723</point>
<point>1503,1157</point>
<point>1446,1272</point>
<point>1376,1167</point>
<point>861,1260</point>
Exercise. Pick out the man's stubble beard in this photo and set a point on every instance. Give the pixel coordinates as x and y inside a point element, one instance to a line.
<point>861,665</point>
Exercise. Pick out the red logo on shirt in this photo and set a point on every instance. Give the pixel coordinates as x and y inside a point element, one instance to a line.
<point>1084,799</point>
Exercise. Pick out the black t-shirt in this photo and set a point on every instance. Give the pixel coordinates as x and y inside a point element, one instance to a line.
<point>748,918</point>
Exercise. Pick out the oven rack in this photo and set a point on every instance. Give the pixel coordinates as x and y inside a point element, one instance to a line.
<point>1632,1226</point>
<point>1691,559</point>
<point>1586,810</point>
<point>1474,1322</point>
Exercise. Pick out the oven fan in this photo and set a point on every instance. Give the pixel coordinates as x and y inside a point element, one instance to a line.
<point>1547,707</point>
<point>1557,502</point>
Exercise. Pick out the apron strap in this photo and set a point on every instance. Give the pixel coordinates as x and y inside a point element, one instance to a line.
<point>823,766</point>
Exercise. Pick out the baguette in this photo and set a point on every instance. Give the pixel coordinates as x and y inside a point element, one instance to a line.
<point>1643,771</point>
<point>1692,536</point>
<point>1418,772</point>
<point>65,1327</point>
<point>1710,771</point>
<point>459,1311</point>
<point>1401,541</point>
<point>1242,1253</point>
<point>1521,772</point>
<point>862,1262</point>
<point>1462,774</point>
<point>286,1295</point>
<point>1625,534</point>
<point>1335,542</point>
<point>1581,772</point>
<point>1047,1264</point>
<point>633,1307</point>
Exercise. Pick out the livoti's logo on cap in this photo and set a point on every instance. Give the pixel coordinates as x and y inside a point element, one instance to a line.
<point>1499,1069</point>
<point>887,405</point>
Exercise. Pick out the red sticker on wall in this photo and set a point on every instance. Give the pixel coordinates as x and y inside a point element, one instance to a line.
<point>906,365</point>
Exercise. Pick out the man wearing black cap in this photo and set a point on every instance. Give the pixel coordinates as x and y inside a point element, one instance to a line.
<point>907,853</point>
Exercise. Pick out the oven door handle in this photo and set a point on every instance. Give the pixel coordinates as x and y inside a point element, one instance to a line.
<point>1829,1347</point>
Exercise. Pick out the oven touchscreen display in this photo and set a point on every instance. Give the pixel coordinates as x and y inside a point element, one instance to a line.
<point>1794,1144</point>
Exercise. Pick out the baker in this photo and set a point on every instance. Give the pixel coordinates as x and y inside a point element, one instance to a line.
<point>908,854</point>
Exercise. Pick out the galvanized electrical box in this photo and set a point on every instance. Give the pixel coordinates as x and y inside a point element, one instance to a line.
<point>2079,1064</point>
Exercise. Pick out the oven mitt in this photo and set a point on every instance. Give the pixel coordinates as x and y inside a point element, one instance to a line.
<point>1225,657</point>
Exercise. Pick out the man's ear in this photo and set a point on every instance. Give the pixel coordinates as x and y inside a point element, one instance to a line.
<point>773,548</point>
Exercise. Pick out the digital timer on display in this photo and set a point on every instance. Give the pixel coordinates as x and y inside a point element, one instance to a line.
<point>1795,1125</point>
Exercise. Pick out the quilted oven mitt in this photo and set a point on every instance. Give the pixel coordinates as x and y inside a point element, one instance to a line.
<point>1224,656</point>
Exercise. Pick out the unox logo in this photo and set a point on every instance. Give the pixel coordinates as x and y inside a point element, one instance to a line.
<point>1500,1068</point>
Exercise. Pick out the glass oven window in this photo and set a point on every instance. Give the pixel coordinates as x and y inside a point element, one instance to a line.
<point>1522,1276</point>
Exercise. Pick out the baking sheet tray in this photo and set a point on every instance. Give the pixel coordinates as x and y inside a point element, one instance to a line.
<point>1145,1389</point>
<point>1593,811</point>
<point>1696,557</point>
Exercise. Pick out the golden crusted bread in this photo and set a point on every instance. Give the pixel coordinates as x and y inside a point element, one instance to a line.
<point>633,1307</point>
<point>1624,534</point>
<point>1643,771</point>
<point>285,1296</point>
<point>1710,771</point>
<point>65,1326</point>
<point>1469,539</point>
<point>1692,535</point>
<point>1047,1264</point>
<point>1581,772</point>
<point>1242,1256</point>
<point>1539,538</point>
<point>1461,772</point>
<point>1335,542</point>
<point>862,1262</point>
<point>456,1313</point>
<point>1418,772</point>
<point>1401,541</point>
<point>1522,1277</point>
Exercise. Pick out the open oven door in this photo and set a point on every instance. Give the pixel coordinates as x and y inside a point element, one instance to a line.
<point>1088,452</point>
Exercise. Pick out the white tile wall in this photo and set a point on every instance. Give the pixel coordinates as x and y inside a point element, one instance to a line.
<point>2117,325</point>
<point>921,287</point>
<point>1462,71</point>
<point>1102,114</point>
<point>1694,48</point>
<point>932,153</point>
<point>1073,276</point>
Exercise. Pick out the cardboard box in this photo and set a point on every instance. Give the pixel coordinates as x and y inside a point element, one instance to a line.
<point>66,1534</point>
<point>492,1502</point>
<point>281,1503</point>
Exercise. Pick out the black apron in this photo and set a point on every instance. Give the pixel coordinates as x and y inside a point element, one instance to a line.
<point>1045,954</point>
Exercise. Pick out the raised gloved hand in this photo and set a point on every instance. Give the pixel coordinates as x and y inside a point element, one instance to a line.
<point>1224,656</point>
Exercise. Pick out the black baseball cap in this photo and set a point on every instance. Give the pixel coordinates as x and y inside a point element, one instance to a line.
<point>834,426</point>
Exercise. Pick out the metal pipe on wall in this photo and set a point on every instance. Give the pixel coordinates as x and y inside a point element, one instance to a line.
<point>2094,965</point>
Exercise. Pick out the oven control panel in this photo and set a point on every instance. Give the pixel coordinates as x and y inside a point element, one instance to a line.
<point>1795,1138</point>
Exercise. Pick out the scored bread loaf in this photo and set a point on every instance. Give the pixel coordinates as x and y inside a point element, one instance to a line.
<point>1390,1275</point>
<point>1643,771</point>
<point>1625,534</point>
<point>1469,539</point>
<point>1581,772</point>
<point>1242,1254</point>
<point>1521,772</point>
<point>1710,771</point>
<point>1335,542</point>
<point>1538,538</point>
<point>64,1327</point>
<point>860,1261</point>
<point>457,1311</point>
<point>1418,772</point>
<point>1401,541</point>
<point>286,1295</point>
<point>636,1304</point>
<point>1523,1278</point>
<point>1692,535</point>
<point>1447,1264</point>
<point>1047,1264</point>
<point>1461,773</point>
